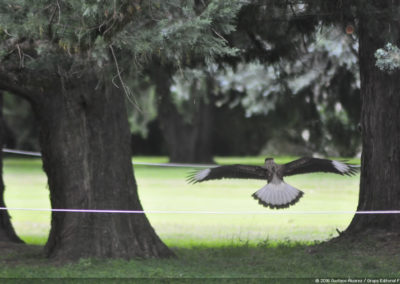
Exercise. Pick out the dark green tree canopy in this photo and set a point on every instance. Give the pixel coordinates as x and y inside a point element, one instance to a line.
<point>66,36</point>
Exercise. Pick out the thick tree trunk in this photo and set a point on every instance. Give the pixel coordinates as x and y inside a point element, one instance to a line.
<point>380,122</point>
<point>85,143</point>
<point>7,232</point>
<point>188,140</point>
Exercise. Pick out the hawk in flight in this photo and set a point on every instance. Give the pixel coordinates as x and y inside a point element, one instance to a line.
<point>276,193</point>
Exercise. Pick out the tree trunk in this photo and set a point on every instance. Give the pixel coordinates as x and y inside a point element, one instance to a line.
<point>188,140</point>
<point>85,143</point>
<point>380,122</point>
<point>7,232</point>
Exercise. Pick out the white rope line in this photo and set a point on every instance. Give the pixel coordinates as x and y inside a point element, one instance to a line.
<point>37,154</point>
<point>21,152</point>
<point>113,211</point>
<point>175,165</point>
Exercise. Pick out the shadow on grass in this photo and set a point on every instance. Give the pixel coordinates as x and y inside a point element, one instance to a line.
<point>269,259</point>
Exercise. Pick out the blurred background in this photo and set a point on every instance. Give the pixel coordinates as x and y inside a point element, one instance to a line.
<point>303,103</point>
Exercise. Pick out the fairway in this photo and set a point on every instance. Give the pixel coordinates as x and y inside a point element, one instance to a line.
<point>165,189</point>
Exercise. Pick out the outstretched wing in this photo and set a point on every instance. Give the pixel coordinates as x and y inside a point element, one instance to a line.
<point>230,171</point>
<point>311,165</point>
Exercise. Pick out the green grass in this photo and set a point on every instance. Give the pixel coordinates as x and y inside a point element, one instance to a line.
<point>233,246</point>
<point>166,189</point>
<point>273,260</point>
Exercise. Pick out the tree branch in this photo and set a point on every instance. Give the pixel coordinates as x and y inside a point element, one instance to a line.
<point>7,84</point>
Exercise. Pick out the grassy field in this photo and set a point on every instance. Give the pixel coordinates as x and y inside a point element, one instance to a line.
<point>211,246</point>
<point>166,189</point>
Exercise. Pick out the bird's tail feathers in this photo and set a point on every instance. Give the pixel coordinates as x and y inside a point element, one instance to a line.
<point>277,196</point>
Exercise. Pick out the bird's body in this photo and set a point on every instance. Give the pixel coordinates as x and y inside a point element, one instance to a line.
<point>276,193</point>
<point>274,171</point>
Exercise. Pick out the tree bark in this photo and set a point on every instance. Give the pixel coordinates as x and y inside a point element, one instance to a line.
<point>85,143</point>
<point>7,232</point>
<point>380,122</point>
<point>188,141</point>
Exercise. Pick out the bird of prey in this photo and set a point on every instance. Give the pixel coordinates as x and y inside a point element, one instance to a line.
<point>276,193</point>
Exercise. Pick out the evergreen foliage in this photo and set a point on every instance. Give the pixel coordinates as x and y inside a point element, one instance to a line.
<point>388,58</point>
<point>84,31</point>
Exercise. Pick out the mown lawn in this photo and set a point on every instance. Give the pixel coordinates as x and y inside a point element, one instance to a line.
<point>209,246</point>
<point>166,189</point>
